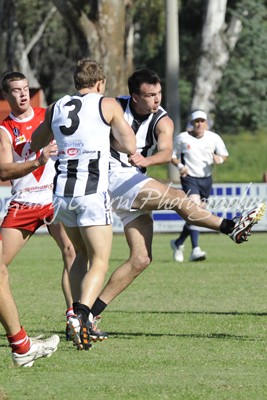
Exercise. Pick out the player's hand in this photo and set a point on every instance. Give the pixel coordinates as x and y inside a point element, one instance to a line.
<point>184,171</point>
<point>218,159</point>
<point>49,151</point>
<point>137,160</point>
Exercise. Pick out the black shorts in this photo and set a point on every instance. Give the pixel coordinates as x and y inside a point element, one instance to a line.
<point>200,186</point>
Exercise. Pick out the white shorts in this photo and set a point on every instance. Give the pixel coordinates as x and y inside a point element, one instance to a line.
<point>124,186</point>
<point>93,209</point>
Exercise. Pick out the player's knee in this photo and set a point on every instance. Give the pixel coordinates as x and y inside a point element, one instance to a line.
<point>4,276</point>
<point>68,253</point>
<point>141,262</point>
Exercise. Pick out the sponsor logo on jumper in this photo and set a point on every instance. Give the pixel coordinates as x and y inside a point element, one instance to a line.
<point>37,188</point>
<point>93,153</point>
<point>20,139</point>
<point>73,152</point>
<point>16,132</point>
<point>74,144</point>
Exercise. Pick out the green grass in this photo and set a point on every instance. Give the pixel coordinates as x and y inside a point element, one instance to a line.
<point>181,331</point>
<point>246,163</point>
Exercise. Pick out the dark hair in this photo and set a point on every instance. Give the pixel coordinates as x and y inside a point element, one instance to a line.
<point>10,77</point>
<point>141,76</point>
<point>87,73</point>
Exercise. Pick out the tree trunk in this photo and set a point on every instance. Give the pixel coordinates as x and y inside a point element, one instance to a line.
<point>217,42</point>
<point>102,35</point>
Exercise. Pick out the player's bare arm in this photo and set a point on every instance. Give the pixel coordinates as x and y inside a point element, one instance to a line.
<point>43,135</point>
<point>164,131</point>
<point>183,169</point>
<point>123,135</point>
<point>219,159</point>
<point>11,170</point>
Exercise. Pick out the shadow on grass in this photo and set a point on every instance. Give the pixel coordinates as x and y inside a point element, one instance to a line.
<point>251,313</point>
<point>131,335</point>
<point>223,336</point>
<point>128,335</point>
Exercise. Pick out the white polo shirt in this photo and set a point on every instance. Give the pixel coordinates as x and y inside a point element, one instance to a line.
<point>197,154</point>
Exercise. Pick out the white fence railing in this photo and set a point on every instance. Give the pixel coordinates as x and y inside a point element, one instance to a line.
<point>226,200</point>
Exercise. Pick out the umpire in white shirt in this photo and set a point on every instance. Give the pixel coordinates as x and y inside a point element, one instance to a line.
<point>195,153</point>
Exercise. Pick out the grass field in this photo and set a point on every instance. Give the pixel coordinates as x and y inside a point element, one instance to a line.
<point>246,162</point>
<point>181,331</point>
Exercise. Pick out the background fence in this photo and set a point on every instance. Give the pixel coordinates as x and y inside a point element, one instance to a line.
<point>226,200</point>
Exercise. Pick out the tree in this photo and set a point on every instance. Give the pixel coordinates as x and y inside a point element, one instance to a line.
<point>45,43</point>
<point>218,41</point>
<point>241,96</point>
<point>100,36</point>
<point>13,49</point>
<point>85,29</point>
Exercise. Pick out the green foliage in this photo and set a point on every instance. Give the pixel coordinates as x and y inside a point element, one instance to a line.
<point>241,98</point>
<point>180,331</point>
<point>150,52</point>
<point>30,16</point>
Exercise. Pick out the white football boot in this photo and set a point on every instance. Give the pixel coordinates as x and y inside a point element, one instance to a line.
<point>39,348</point>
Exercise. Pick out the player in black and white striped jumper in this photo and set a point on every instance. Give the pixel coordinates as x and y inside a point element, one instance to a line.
<point>80,124</point>
<point>134,195</point>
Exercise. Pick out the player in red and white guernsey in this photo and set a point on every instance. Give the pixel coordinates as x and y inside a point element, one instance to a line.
<point>31,176</point>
